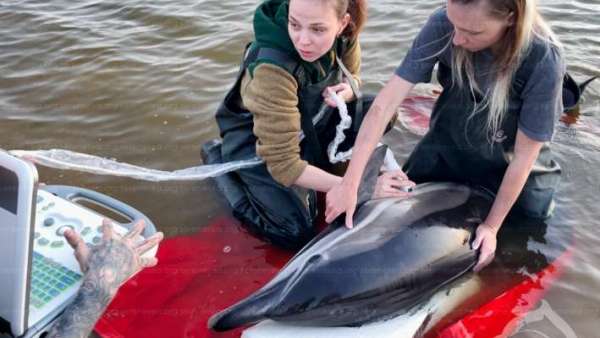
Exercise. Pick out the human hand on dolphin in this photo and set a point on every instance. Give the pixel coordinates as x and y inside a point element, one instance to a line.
<point>343,198</point>
<point>339,199</point>
<point>393,183</point>
<point>485,240</point>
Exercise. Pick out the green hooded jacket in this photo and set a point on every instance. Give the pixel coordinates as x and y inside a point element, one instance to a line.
<point>271,31</point>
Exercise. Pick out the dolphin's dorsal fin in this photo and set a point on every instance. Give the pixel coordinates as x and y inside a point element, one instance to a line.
<point>369,177</point>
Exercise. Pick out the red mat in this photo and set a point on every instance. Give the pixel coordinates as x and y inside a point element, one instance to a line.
<point>501,316</point>
<point>196,277</point>
<point>200,275</point>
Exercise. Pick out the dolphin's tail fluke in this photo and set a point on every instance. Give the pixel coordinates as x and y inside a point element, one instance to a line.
<point>572,92</point>
<point>585,83</point>
<point>248,311</point>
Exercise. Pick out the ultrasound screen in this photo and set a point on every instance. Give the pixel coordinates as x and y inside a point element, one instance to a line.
<point>9,189</point>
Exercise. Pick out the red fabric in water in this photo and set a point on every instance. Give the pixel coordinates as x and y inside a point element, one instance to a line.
<point>200,275</point>
<point>501,316</point>
<point>196,277</point>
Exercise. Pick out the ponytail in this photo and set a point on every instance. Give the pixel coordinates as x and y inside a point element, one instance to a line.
<point>358,17</point>
<point>357,9</point>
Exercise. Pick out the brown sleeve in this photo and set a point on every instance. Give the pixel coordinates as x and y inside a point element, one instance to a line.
<point>351,60</point>
<point>271,95</point>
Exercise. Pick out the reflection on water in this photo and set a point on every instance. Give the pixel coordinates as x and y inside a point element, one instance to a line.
<point>139,81</point>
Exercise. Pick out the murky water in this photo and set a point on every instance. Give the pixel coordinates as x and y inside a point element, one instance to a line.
<point>139,81</point>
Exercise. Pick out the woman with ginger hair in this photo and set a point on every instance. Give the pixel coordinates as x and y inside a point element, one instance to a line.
<point>303,49</point>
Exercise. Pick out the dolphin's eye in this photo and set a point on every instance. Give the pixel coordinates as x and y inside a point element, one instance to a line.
<point>314,259</point>
<point>466,240</point>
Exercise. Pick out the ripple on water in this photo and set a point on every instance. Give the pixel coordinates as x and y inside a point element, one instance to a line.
<point>140,81</point>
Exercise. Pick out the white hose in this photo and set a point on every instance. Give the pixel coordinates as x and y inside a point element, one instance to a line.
<point>65,159</point>
<point>70,160</point>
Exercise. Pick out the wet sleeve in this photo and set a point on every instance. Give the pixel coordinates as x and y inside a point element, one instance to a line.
<point>271,96</point>
<point>424,53</point>
<point>351,60</point>
<point>542,97</point>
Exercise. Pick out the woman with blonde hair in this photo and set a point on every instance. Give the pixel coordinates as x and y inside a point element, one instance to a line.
<point>502,70</point>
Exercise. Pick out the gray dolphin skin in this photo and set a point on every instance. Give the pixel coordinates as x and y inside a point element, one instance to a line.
<point>399,252</point>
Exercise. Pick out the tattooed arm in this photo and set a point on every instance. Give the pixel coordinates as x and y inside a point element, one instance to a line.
<point>106,267</point>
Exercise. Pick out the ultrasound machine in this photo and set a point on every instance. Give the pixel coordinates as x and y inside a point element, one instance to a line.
<point>39,275</point>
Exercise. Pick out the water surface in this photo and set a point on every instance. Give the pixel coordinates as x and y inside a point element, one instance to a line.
<point>139,81</point>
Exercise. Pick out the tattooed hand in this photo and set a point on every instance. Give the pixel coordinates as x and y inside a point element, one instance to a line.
<point>106,266</point>
<point>117,258</point>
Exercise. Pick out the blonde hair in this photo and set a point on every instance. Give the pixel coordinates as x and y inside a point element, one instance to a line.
<point>528,23</point>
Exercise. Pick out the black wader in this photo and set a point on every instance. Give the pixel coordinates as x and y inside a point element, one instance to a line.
<point>282,215</point>
<point>458,149</point>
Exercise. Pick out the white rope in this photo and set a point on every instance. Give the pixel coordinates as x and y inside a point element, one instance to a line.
<point>345,123</point>
<point>70,160</point>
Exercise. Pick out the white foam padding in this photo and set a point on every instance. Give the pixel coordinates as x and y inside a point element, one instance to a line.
<point>406,325</point>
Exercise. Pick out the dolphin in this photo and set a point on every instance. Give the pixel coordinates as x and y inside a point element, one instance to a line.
<point>400,252</point>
